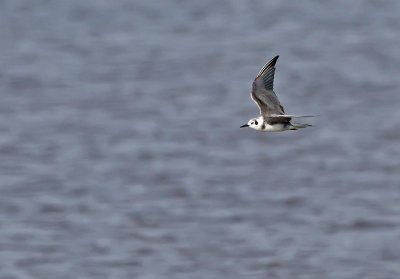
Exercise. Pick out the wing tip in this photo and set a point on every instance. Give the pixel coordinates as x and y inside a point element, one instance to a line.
<point>269,64</point>
<point>273,60</point>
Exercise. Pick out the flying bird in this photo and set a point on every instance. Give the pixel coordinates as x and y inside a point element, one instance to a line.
<point>272,115</point>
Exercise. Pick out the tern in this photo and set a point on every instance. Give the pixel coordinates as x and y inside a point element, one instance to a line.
<point>272,115</point>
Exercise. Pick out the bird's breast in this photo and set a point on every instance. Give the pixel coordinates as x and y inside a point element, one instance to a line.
<point>278,127</point>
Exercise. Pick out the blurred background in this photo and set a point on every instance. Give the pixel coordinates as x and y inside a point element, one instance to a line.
<point>121,154</point>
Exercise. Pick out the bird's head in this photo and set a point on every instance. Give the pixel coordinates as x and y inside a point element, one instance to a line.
<point>254,123</point>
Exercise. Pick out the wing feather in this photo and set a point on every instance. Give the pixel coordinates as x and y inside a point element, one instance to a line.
<point>263,93</point>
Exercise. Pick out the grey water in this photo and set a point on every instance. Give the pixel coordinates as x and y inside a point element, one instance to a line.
<point>121,154</point>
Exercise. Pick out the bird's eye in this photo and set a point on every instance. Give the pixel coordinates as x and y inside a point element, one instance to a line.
<point>252,123</point>
<point>256,122</point>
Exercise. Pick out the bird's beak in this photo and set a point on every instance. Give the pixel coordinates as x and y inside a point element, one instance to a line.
<point>245,125</point>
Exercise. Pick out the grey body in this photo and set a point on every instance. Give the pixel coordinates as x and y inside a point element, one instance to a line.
<point>272,115</point>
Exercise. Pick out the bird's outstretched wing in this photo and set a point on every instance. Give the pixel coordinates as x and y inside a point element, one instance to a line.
<point>264,96</point>
<point>290,115</point>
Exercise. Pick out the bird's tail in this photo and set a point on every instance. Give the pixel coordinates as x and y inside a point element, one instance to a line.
<point>299,125</point>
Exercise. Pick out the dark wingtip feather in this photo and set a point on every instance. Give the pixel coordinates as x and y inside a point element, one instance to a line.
<point>269,64</point>
<point>273,60</point>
